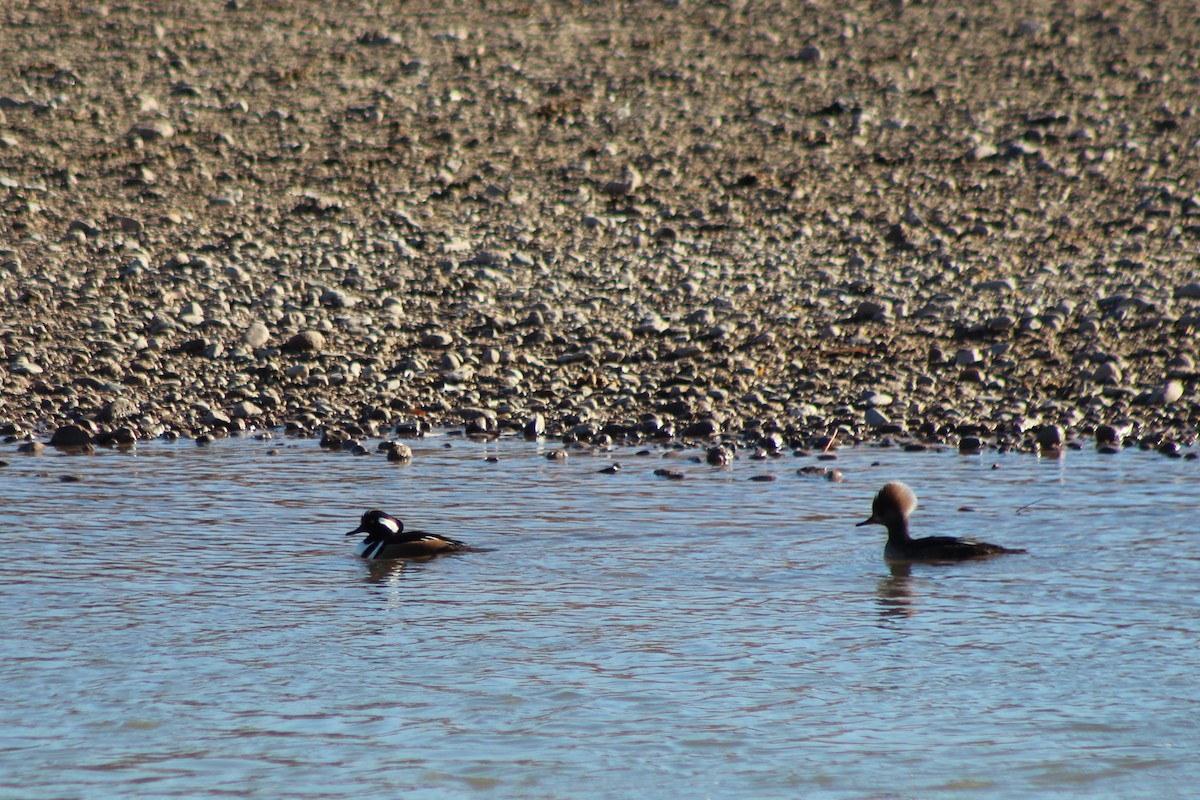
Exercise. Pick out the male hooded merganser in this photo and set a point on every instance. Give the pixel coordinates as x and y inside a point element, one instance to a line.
<point>891,508</point>
<point>386,538</point>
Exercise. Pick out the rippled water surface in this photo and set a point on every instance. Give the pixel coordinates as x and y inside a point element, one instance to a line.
<point>189,621</point>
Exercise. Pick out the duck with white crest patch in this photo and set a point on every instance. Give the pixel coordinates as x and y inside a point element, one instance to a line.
<point>386,538</point>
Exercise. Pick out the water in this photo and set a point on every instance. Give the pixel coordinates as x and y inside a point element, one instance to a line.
<point>191,622</point>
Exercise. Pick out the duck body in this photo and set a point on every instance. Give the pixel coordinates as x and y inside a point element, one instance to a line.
<point>387,539</point>
<point>891,508</point>
<point>940,548</point>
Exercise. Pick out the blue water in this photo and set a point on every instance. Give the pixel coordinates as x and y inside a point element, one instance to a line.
<point>191,622</point>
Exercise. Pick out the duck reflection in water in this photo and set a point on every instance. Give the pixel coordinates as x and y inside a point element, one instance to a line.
<point>388,572</point>
<point>895,592</point>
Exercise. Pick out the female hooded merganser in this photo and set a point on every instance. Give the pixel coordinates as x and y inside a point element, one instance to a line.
<point>386,538</point>
<point>891,508</point>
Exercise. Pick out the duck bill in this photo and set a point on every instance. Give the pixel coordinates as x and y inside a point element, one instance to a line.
<point>358,530</point>
<point>871,520</point>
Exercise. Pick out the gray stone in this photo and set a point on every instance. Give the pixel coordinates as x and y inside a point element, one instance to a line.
<point>534,427</point>
<point>436,339</point>
<point>256,335</point>
<point>215,416</point>
<point>809,54</point>
<point>1108,374</point>
<point>968,357</point>
<point>877,399</point>
<point>118,409</point>
<point>245,409</point>
<point>1168,393</point>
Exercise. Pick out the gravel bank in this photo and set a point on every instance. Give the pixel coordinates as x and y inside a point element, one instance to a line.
<point>773,222</point>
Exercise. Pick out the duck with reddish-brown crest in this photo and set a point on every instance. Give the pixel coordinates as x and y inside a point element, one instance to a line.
<point>891,508</point>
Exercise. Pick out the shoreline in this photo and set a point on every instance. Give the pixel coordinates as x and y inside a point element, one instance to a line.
<point>693,223</point>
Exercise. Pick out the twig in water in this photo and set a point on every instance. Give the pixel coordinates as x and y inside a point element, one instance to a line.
<point>1027,505</point>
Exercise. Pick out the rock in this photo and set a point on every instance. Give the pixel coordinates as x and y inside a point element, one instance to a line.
<point>305,342</point>
<point>436,340</point>
<point>968,357</point>
<point>70,436</point>
<point>1188,291</point>
<point>153,131</point>
<point>719,456</point>
<point>31,448</point>
<point>701,429</point>
<point>1050,437</point>
<point>970,445</point>
<point>1107,434</point>
<point>809,54</point>
<point>117,409</point>
<point>813,472</point>
<point>875,418</point>
<point>123,437</point>
<point>1108,374</point>
<point>972,375</point>
<point>336,298</point>
<point>628,183</point>
<point>1181,365</point>
<point>399,452</point>
<point>534,427</point>
<point>257,335</point>
<point>876,399</point>
<point>23,366</point>
<point>1168,393</point>
<point>216,418</point>
<point>244,409</point>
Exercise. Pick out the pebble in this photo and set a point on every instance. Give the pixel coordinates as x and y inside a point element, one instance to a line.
<point>1108,374</point>
<point>1050,437</point>
<point>437,340</point>
<point>118,409</point>
<point>875,418</point>
<point>245,409</point>
<point>718,456</point>
<point>257,335</point>
<point>970,445</point>
<point>1170,392</point>
<point>968,357</point>
<point>1108,434</point>
<point>474,283</point>
<point>305,342</point>
<point>701,429</point>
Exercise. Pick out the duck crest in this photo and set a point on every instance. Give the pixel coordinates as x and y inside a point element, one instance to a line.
<point>895,497</point>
